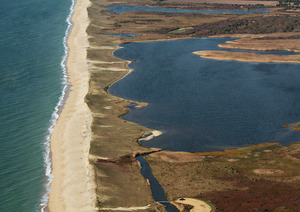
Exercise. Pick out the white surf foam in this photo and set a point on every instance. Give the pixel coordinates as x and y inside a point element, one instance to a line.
<point>47,153</point>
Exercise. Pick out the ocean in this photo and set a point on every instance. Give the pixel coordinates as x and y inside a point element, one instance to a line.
<point>33,84</point>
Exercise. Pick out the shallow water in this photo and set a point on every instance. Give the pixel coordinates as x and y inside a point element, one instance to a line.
<point>203,104</point>
<point>119,9</point>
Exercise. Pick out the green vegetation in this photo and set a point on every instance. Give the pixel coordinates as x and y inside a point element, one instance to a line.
<point>181,30</point>
<point>289,3</point>
<point>251,25</point>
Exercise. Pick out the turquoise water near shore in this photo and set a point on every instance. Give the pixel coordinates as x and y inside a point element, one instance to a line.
<point>204,105</point>
<point>31,84</point>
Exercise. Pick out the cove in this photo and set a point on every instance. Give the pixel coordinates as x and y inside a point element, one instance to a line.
<point>206,105</point>
<point>119,9</point>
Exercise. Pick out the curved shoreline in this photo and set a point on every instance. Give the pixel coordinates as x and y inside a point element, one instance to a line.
<point>113,160</point>
<point>73,187</point>
<point>248,57</point>
<point>253,42</point>
<point>55,115</point>
<point>176,162</point>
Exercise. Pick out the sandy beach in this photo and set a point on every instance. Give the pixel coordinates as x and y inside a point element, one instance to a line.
<point>72,187</point>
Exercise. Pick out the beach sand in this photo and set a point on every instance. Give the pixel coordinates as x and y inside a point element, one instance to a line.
<point>73,187</point>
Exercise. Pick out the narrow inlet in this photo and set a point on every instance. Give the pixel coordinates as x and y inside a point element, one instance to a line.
<point>157,191</point>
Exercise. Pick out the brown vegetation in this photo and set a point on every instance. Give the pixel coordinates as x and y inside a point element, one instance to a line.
<point>248,57</point>
<point>250,25</point>
<point>279,42</point>
<point>113,142</point>
<point>258,180</point>
<point>228,179</point>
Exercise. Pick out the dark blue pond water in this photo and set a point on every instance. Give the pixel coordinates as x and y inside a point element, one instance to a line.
<point>119,9</point>
<point>203,104</point>
<point>157,190</point>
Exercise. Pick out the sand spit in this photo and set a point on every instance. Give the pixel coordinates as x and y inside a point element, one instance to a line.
<point>72,188</point>
<point>264,42</point>
<point>152,135</point>
<point>248,57</point>
<point>261,44</point>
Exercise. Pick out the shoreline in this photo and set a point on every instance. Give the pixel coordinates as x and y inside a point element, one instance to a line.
<point>256,43</point>
<point>73,186</point>
<point>120,184</point>
<point>248,57</point>
<point>114,160</point>
<point>176,158</point>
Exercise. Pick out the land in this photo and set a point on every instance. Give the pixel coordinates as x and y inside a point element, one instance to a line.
<point>263,177</point>
<point>265,42</point>
<point>73,186</point>
<point>114,140</point>
<point>196,205</point>
<point>293,126</point>
<point>244,179</point>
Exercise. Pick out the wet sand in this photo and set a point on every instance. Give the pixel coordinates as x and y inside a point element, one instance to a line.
<point>73,187</point>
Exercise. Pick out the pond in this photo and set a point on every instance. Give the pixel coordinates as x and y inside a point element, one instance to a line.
<point>206,105</point>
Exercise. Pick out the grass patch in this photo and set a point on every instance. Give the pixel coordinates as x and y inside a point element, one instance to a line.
<point>180,30</point>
